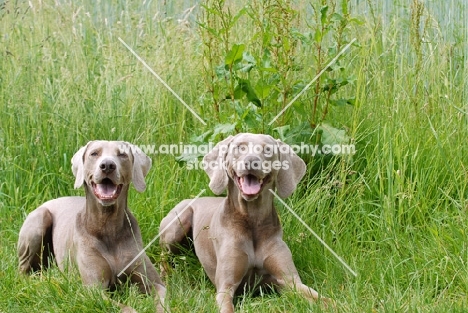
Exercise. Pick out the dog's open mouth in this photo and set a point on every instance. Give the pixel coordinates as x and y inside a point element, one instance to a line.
<point>250,185</point>
<point>106,190</point>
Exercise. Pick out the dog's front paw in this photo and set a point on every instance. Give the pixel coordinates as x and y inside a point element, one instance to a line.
<point>328,303</point>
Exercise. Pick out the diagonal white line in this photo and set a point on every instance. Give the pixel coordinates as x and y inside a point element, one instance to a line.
<point>312,81</point>
<point>162,81</point>
<point>160,232</point>
<point>316,236</point>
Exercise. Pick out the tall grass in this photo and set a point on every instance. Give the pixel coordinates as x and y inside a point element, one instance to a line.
<point>396,213</point>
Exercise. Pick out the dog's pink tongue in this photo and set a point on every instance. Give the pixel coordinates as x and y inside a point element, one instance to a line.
<point>250,185</point>
<point>106,190</point>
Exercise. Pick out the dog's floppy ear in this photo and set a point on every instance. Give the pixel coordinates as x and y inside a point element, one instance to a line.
<point>289,177</point>
<point>214,163</point>
<point>78,166</point>
<point>141,167</point>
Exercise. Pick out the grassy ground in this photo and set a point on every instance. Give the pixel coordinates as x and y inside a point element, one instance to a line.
<point>397,214</point>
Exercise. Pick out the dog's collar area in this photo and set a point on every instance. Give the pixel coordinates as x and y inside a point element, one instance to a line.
<point>106,189</point>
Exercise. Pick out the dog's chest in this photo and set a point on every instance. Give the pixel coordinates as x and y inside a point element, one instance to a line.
<point>251,237</point>
<point>256,274</point>
<point>254,242</point>
<point>256,259</point>
<point>117,255</point>
<point>257,234</point>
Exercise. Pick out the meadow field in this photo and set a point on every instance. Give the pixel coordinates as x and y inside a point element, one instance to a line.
<point>391,80</point>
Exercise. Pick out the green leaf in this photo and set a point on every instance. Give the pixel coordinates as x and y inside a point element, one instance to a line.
<point>224,129</point>
<point>249,116</point>
<point>192,154</point>
<point>267,37</point>
<point>298,87</point>
<point>252,97</point>
<point>238,93</point>
<point>221,71</point>
<point>332,85</point>
<point>282,132</point>
<point>250,92</point>
<point>293,135</point>
<point>265,62</point>
<point>318,35</point>
<point>247,64</point>
<point>188,157</point>
<point>286,44</point>
<point>344,7</point>
<point>212,31</point>
<point>356,21</point>
<point>303,37</point>
<point>338,102</point>
<point>248,58</point>
<point>200,138</point>
<point>263,89</point>
<point>252,120</point>
<point>237,16</point>
<point>299,108</point>
<point>331,135</point>
<point>343,102</point>
<point>336,17</point>
<point>323,14</point>
<point>266,58</point>
<point>235,54</point>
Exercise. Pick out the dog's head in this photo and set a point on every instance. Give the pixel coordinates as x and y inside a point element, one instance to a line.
<point>254,162</point>
<point>108,166</point>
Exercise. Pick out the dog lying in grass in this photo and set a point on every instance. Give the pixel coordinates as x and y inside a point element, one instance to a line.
<point>238,238</point>
<point>97,232</point>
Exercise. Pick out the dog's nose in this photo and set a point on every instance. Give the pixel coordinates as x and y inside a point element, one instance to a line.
<point>252,162</point>
<point>107,166</point>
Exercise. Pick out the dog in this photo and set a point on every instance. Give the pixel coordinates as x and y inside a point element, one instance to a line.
<point>238,238</point>
<point>97,232</point>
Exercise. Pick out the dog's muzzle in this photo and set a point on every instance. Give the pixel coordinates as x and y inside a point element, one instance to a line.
<point>249,184</point>
<point>106,190</point>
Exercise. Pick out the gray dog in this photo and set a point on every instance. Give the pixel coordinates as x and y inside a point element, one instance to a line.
<point>238,238</point>
<point>97,232</point>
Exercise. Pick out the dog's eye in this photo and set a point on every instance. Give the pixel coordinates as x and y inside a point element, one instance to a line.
<point>94,153</point>
<point>243,149</point>
<point>122,155</point>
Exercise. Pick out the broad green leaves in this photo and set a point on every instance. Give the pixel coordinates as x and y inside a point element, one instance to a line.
<point>236,63</point>
<point>331,135</point>
<point>251,81</point>
<point>234,55</point>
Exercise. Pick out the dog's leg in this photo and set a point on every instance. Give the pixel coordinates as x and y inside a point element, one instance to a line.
<point>149,282</point>
<point>94,270</point>
<point>174,228</point>
<point>35,241</point>
<point>281,265</point>
<point>229,274</point>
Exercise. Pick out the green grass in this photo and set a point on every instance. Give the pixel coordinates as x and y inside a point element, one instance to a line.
<point>397,213</point>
